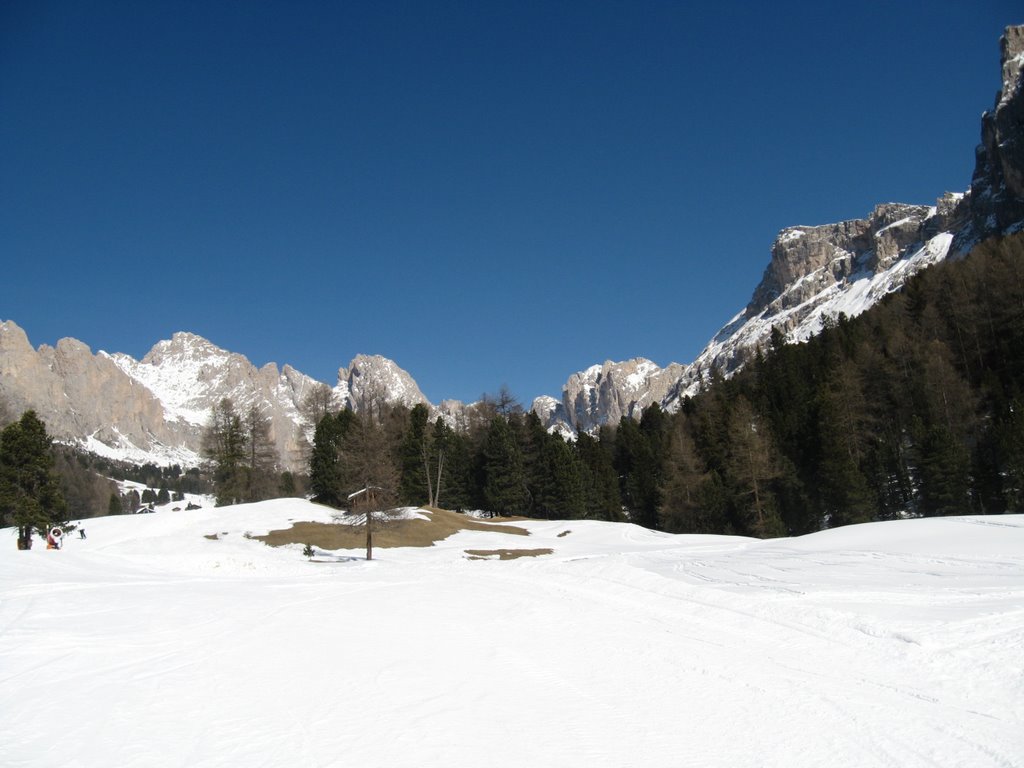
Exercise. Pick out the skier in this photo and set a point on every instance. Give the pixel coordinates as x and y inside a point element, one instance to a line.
<point>81,533</point>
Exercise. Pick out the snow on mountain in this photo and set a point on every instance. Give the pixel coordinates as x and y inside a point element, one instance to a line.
<point>155,409</point>
<point>372,377</point>
<point>176,639</point>
<point>819,272</point>
<point>847,282</point>
<point>182,373</point>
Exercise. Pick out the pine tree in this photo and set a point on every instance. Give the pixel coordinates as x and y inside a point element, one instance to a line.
<point>327,480</point>
<point>682,509</point>
<point>639,449</point>
<point>453,487</point>
<point>504,486</point>
<point>752,463</point>
<point>603,500</point>
<point>30,496</point>
<point>559,481</point>
<point>416,484</point>
<point>844,441</point>
<point>224,445</point>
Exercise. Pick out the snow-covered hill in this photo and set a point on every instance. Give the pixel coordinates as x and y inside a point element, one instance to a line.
<point>176,639</point>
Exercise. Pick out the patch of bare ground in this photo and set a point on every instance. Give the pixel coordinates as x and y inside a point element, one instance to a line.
<point>396,533</point>
<point>505,554</point>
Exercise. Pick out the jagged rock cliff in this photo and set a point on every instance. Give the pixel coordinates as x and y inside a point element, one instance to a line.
<point>156,409</point>
<point>997,187</point>
<point>820,271</point>
<point>372,377</point>
<point>603,394</point>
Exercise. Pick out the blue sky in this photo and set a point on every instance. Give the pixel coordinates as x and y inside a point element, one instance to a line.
<point>487,193</point>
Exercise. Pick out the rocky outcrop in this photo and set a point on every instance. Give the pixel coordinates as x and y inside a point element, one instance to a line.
<point>821,272</point>
<point>818,272</point>
<point>157,408</point>
<point>603,394</point>
<point>82,397</point>
<point>372,378</point>
<point>997,186</point>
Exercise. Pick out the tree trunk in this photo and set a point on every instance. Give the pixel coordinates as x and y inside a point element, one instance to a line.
<point>369,525</point>
<point>436,500</point>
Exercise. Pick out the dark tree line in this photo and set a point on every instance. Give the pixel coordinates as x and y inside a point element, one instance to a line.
<point>505,462</point>
<point>243,459</point>
<point>914,408</point>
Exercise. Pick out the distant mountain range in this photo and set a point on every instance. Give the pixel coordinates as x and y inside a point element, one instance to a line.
<point>155,409</point>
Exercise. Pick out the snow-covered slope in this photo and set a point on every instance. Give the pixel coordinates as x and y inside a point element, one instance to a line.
<point>819,273</point>
<point>175,639</point>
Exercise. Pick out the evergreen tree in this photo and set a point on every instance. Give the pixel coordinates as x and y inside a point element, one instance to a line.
<point>288,486</point>
<point>532,439</point>
<point>638,456</point>
<point>602,499</point>
<point>682,508</point>
<point>752,464</point>
<point>504,485</point>
<point>225,446</point>
<point>844,442</point>
<point>453,488</point>
<point>559,491</point>
<point>133,501</point>
<point>416,483</point>
<point>327,479</point>
<point>30,496</point>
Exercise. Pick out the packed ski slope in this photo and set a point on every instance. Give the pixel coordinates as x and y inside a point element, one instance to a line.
<point>172,639</point>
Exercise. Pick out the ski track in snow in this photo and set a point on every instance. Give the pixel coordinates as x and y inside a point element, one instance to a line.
<point>890,644</point>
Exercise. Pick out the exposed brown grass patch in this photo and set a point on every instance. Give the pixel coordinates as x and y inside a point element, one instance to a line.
<point>563,534</point>
<point>505,554</point>
<point>397,533</point>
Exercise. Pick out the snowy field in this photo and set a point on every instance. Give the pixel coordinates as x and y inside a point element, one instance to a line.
<point>172,639</point>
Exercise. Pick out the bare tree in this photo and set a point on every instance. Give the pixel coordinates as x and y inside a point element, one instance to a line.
<point>6,414</point>
<point>369,462</point>
<point>261,454</point>
<point>243,453</point>
<point>317,403</point>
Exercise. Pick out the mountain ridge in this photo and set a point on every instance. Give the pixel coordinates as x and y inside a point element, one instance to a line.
<point>154,409</point>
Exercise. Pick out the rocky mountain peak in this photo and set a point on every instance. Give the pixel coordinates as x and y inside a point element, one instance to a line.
<point>1011,47</point>
<point>823,270</point>
<point>369,378</point>
<point>603,394</point>
<point>997,187</point>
